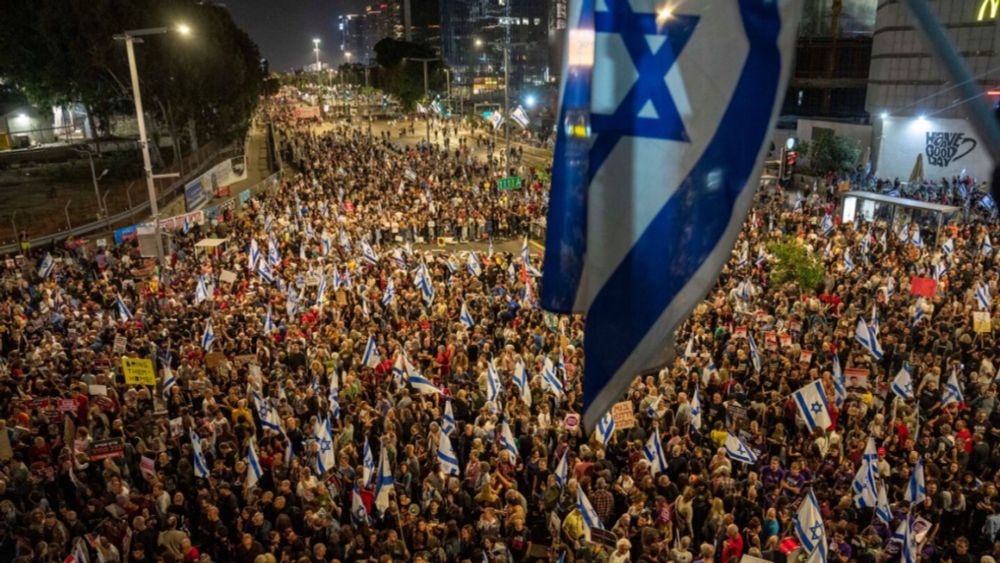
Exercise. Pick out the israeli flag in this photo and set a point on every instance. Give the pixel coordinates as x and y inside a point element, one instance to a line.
<point>492,381</point>
<point>398,258</point>
<point>337,281</point>
<point>264,270</point>
<point>550,379</point>
<point>465,318</point>
<point>343,240</point>
<point>562,471</point>
<point>952,391</point>
<point>200,291</point>
<point>208,336</point>
<point>368,464</point>
<point>839,383</point>
<point>200,464</point>
<point>46,266</point>
<point>739,451</point>
<point>904,233</point>
<point>863,336</point>
<point>525,253</point>
<point>358,511</point>
<point>327,244</point>
<point>882,510</point>
<point>446,455</point>
<point>123,311</point>
<point>321,291</point>
<point>848,263</point>
<point>520,117</point>
<point>902,384</point>
<point>984,299</point>
<point>808,523</point>
<point>268,323</point>
<point>496,120</point>
<point>909,553</point>
<point>653,177</point>
<point>268,417</point>
<point>507,441</point>
<point>472,264</point>
<point>368,254</point>
<point>865,489</point>
<point>371,358</point>
<point>605,428</point>
<point>916,489</point>
<point>653,452</point>
<point>452,267</point>
<point>521,380</point>
<point>254,254</point>
<point>421,384</point>
<point>915,240</point>
<point>695,411</point>
<point>169,381</point>
<point>813,406</point>
<point>940,270</point>
<point>390,293</point>
<point>590,518</point>
<point>186,226</point>
<point>384,482</point>
<point>987,247</point>
<point>325,460</point>
<point>424,284</point>
<point>254,471</point>
<point>754,354</point>
<point>918,312</point>
<point>273,256</point>
<point>826,224</point>
<point>948,247</point>
<point>448,419</point>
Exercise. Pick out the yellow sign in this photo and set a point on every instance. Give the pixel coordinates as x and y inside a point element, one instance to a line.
<point>988,10</point>
<point>981,322</point>
<point>138,371</point>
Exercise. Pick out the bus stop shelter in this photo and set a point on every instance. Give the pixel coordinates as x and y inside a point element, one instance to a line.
<point>896,211</point>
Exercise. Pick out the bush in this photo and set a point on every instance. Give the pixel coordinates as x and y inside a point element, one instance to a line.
<point>795,263</point>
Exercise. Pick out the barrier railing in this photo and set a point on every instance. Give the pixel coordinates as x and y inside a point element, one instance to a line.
<point>165,195</point>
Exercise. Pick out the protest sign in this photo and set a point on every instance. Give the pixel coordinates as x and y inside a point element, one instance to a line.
<point>138,371</point>
<point>624,415</point>
<point>981,322</point>
<point>107,448</point>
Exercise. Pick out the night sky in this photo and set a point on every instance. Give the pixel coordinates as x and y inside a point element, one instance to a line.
<point>284,29</point>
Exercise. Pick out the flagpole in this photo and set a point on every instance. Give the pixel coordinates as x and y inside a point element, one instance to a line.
<point>968,87</point>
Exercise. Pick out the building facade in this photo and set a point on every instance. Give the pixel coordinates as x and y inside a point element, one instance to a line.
<point>905,80</point>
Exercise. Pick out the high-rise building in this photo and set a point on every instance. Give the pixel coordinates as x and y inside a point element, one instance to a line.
<point>422,22</point>
<point>831,63</point>
<point>474,33</point>
<point>352,36</point>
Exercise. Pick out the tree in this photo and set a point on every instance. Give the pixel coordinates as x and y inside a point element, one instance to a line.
<point>795,263</point>
<point>832,153</point>
<point>60,51</point>
<point>402,78</point>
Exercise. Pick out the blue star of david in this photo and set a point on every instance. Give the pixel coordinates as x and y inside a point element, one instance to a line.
<point>815,530</point>
<point>262,413</point>
<point>650,87</point>
<point>908,388</point>
<point>816,407</point>
<point>324,445</point>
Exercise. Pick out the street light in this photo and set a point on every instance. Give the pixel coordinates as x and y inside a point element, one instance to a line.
<point>131,37</point>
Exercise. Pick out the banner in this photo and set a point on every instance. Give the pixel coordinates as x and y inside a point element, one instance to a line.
<point>924,287</point>
<point>138,371</point>
<point>623,415</point>
<point>214,182</point>
<point>947,147</point>
<point>108,448</point>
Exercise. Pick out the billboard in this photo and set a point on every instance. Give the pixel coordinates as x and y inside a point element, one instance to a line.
<point>215,182</point>
<point>947,147</point>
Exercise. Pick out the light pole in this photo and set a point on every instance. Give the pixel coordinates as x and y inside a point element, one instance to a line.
<point>316,50</point>
<point>506,88</point>
<point>130,38</point>
<point>427,114</point>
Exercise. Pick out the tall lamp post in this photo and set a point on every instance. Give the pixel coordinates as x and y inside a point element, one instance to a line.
<point>319,69</point>
<point>130,38</point>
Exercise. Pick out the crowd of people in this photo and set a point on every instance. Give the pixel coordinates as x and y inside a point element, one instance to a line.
<point>379,384</point>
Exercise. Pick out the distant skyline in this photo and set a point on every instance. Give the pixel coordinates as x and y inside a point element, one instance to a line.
<point>284,29</point>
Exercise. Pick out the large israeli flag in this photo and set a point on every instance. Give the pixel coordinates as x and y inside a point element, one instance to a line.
<point>521,380</point>
<point>200,464</point>
<point>492,381</point>
<point>952,391</point>
<point>658,154</point>
<point>590,518</point>
<point>325,459</point>
<point>385,483</point>
<point>448,424</point>
<point>882,510</point>
<point>605,428</point>
<point>254,471</point>
<point>809,527</point>
<point>916,488</point>
<point>983,298</point>
<point>736,449</point>
<point>865,489</point>
<point>371,359</point>
<point>562,470</point>
<point>465,318</point>
<point>902,385</point>
<point>839,383</point>
<point>695,411</point>
<point>368,464</point>
<point>813,406</point>
<point>507,441</point>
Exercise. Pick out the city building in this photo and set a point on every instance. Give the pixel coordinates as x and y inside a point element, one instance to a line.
<point>916,110</point>
<point>832,60</point>
<point>422,22</point>
<point>475,32</point>
<point>352,35</point>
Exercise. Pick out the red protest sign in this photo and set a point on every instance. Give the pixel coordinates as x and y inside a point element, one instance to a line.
<point>924,287</point>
